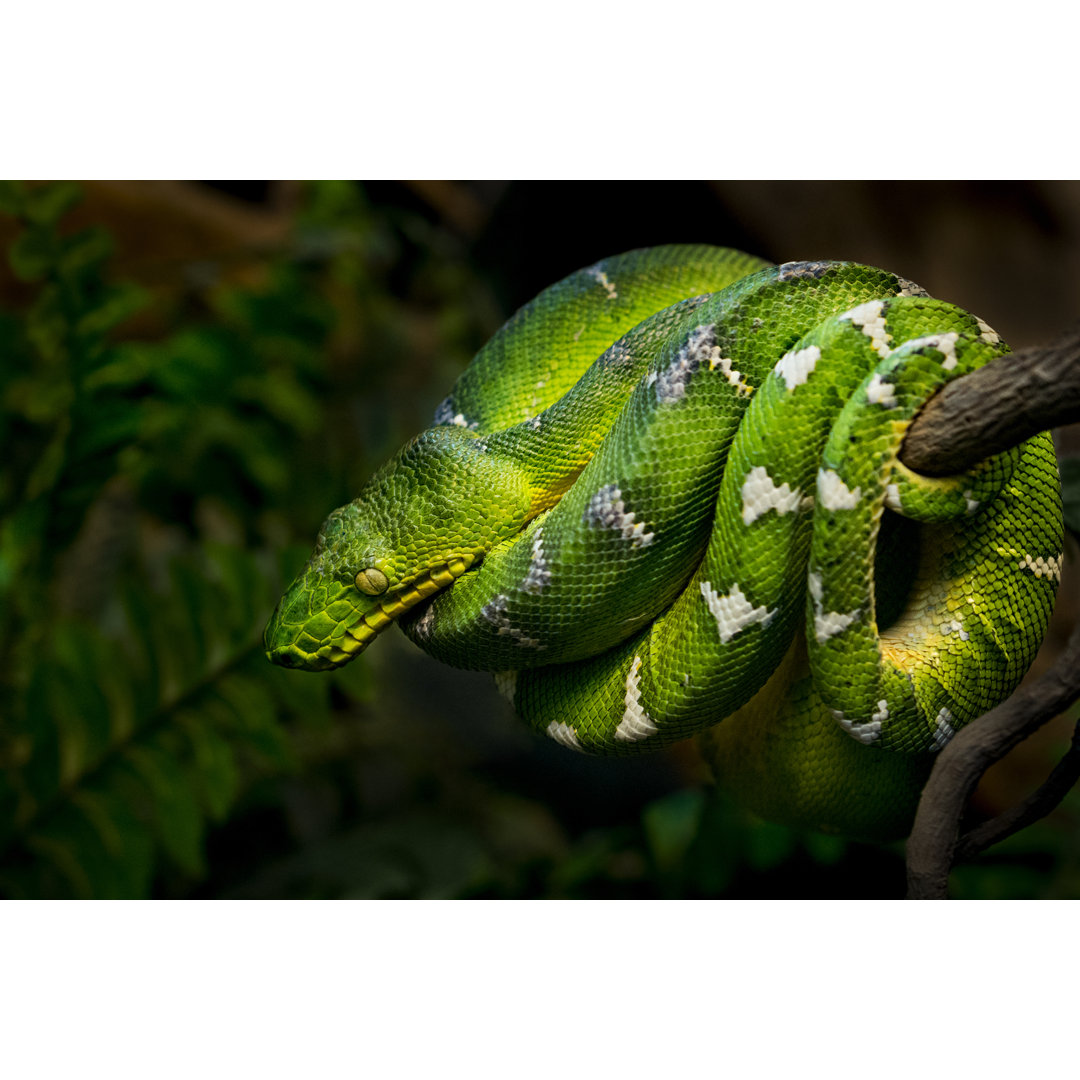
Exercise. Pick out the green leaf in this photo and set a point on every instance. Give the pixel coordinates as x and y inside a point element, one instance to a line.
<point>96,849</point>
<point>825,848</point>
<point>119,303</point>
<point>20,539</point>
<point>142,659</point>
<point>243,589</point>
<point>47,326</point>
<point>12,196</point>
<point>49,466</point>
<point>79,654</point>
<point>85,250</point>
<point>125,366</point>
<point>47,204</point>
<point>40,775</point>
<point>215,764</point>
<point>715,856</point>
<point>107,424</point>
<point>63,853</point>
<point>128,846</point>
<point>195,607</point>
<point>32,253</point>
<point>115,682</point>
<point>768,845</point>
<point>255,718</point>
<point>670,825</point>
<point>177,818</point>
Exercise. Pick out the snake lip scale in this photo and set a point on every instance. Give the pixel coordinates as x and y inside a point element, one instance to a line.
<point>666,500</point>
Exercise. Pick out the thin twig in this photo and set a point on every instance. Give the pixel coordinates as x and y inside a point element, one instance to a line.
<point>1036,806</point>
<point>932,845</point>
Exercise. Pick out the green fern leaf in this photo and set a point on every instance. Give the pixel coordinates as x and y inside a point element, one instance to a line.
<point>215,763</point>
<point>176,816</point>
<point>47,204</point>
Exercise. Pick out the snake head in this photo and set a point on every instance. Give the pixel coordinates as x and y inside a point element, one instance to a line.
<point>426,516</point>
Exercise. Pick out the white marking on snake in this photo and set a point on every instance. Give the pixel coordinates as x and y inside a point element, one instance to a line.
<point>495,613</point>
<point>618,356</point>
<point>1040,567</point>
<point>599,275</point>
<point>943,730</point>
<point>565,734</point>
<point>868,317</point>
<point>726,365</point>
<point>760,495</point>
<point>880,391</point>
<point>864,733</point>
<point>834,494</point>
<point>506,684</point>
<point>953,626</point>
<point>827,624</point>
<point>425,623</point>
<point>534,423</point>
<point>460,421</point>
<point>882,712</point>
<point>539,575</point>
<point>944,343</point>
<point>671,382</point>
<point>606,510</point>
<point>795,367</point>
<point>892,497</point>
<point>733,613</point>
<point>636,723</point>
<point>972,504</point>
<point>987,333</point>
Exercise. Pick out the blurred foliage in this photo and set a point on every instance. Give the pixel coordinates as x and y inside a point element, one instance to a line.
<point>1070,492</point>
<point>156,492</point>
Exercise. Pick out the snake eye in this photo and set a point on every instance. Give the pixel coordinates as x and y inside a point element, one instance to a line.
<point>371,581</point>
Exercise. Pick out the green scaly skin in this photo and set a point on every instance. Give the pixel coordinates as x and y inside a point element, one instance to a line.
<point>668,492</point>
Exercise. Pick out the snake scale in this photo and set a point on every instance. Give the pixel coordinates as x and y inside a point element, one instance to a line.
<point>666,500</point>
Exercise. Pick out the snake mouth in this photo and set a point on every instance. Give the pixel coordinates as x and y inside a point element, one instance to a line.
<point>342,629</point>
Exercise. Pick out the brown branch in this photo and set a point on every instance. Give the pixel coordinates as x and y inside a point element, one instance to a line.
<point>933,844</point>
<point>459,207</point>
<point>1037,805</point>
<point>998,406</point>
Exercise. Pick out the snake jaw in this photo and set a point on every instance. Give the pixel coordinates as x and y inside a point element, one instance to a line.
<point>342,628</point>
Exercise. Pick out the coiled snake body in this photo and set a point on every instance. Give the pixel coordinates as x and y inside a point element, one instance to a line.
<point>667,493</point>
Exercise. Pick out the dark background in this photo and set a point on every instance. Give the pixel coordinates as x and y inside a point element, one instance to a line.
<point>190,387</point>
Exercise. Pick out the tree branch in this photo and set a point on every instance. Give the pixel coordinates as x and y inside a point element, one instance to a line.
<point>998,406</point>
<point>934,842</point>
<point>1037,805</point>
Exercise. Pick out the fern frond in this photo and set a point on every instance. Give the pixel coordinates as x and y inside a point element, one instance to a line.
<point>128,746</point>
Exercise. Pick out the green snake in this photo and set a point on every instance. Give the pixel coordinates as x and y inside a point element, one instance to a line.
<point>666,500</point>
